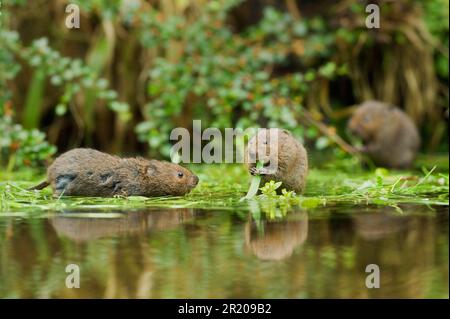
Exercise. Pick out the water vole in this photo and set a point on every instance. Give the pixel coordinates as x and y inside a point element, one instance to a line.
<point>390,137</point>
<point>87,172</point>
<point>280,147</point>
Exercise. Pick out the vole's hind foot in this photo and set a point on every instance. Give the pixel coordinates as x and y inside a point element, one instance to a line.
<point>120,194</point>
<point>62,181</point>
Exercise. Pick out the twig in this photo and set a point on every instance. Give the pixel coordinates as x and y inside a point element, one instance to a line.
<point>330,134</point>
<point>293,9</point>
<point>325,130</point>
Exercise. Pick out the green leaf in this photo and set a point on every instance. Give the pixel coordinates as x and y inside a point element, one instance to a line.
<point>254,185</point>
<point>34,101</point>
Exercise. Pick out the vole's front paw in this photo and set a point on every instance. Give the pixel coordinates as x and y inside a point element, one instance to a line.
<point>254,171</point>
<point>259,171</point>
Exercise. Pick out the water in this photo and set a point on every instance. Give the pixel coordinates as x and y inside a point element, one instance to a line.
<point>184,253</point>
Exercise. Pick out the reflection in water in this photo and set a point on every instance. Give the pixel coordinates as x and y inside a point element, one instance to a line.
<point>85,229</point>
<point>138,266</point>
<point>181,253</point>
<point>276,240</point>
<point>380,223</point>
<point>411,253</point>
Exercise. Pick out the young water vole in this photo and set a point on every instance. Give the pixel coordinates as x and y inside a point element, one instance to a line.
<point>87,172</point>
<point>279,147</point>
<point>390,137</point>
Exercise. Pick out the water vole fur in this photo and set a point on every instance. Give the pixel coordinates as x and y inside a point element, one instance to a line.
<point>289,154</point>
<point>390,137</point>
<point>87,172</point>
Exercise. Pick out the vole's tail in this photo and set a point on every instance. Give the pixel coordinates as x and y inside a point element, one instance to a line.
<point>42,185</point>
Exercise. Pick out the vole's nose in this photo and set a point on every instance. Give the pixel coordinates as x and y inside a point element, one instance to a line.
<point>195,180</point>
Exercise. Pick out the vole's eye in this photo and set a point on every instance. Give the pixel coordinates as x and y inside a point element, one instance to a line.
<point>180,175</point>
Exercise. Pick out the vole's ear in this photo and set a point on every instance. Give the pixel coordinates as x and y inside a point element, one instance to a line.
<point>152,169</point>
<point>286,132</point>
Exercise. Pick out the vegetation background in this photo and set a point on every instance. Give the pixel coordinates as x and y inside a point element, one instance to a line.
<point>136,69</point>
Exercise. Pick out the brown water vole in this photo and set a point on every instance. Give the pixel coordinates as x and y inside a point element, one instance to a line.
<point>280,147</point>
<point>390,137</point>
<point>87,172</point>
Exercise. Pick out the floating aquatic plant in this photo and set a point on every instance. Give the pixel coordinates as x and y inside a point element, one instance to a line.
<point>222,187</point>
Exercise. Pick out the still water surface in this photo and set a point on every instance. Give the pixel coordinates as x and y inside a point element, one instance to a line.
<point>184,253</point>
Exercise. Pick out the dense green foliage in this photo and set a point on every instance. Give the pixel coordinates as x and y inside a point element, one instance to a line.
<point>221,74</point>
<point>136,70</point>
<point>20,147</point>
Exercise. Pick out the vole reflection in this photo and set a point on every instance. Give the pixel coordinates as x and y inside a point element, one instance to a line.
<point>277,240</point>
<point>380,224</point>
<point>82,229</point>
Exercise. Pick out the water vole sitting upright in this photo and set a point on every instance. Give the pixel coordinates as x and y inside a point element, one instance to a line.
<point>279,147</point>
<point>390,137</point>
<point>87,172</point>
